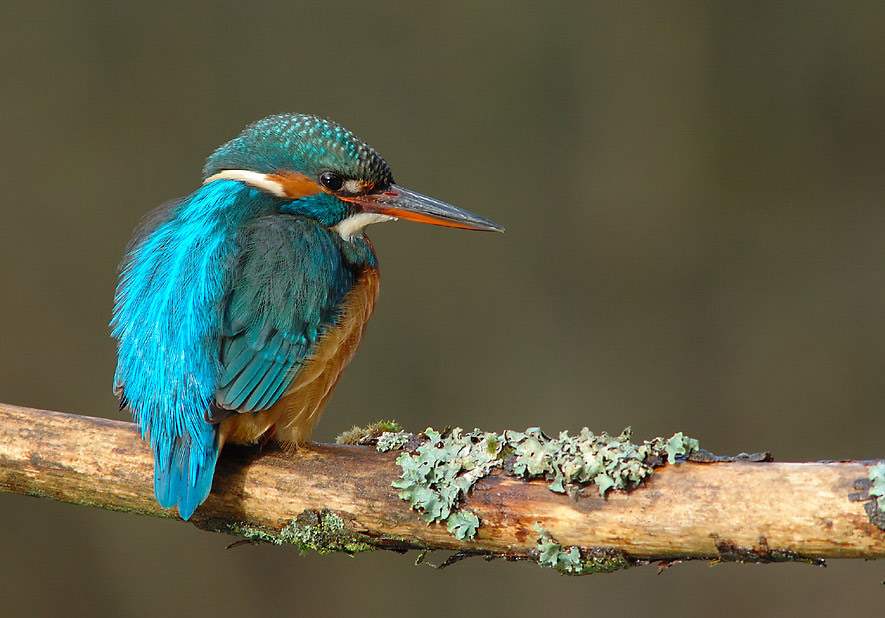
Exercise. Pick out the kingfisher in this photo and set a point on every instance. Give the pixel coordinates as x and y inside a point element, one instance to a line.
<point>239,305</point>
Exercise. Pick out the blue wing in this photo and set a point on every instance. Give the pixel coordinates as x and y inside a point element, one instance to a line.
<point>290,280</point>
<point>168,316</point>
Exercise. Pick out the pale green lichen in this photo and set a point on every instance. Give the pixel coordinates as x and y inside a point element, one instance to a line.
<point>438,474</point>
<point>680,445</point>
<point>442,470</point>
<point>393,440</point>
<point>571,462</point>
<point>877,484</point>
<point>551,554</point>
<point>463,524</point>
<point>575,561</point>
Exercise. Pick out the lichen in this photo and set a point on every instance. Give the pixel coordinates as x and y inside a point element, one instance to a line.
<point>438,474</point>
<point>393,440</point>
<point>575,561</point>
<point>322,531</point>
<point>877,484</point>
<point>572,462</point>
<point>367,434</point>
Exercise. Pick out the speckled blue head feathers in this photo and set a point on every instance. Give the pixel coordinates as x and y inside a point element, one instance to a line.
<point>300,143</point>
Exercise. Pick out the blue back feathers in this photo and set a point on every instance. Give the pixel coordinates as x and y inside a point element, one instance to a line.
<point>223,294</point>
<point>167,319</point>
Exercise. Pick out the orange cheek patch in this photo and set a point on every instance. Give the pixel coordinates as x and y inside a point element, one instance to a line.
<point>295,186</point>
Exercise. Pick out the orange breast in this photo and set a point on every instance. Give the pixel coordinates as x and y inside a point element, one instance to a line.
<point>298,411</point>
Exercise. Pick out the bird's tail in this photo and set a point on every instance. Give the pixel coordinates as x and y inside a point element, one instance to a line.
<point>183,473</point>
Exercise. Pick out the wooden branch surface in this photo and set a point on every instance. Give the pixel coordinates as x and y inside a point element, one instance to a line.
<point>685,511</point>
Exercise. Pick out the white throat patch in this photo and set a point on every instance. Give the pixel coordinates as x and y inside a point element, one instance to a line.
<point>355,225</point>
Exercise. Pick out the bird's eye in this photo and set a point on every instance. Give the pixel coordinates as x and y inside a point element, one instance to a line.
<point>332,181</point>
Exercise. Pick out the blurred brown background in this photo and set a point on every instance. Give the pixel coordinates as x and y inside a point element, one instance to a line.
<point>695,203</point>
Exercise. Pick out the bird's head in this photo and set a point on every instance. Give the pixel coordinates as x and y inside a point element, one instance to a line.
<point>322,170</point>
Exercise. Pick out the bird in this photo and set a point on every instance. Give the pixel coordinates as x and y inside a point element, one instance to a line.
<point>238,306</point>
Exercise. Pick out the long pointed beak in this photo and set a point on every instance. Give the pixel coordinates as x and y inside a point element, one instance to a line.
<point>402,203</point>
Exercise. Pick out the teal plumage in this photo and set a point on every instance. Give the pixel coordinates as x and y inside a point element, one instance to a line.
<point>228,295</point>
<point>288,262</point>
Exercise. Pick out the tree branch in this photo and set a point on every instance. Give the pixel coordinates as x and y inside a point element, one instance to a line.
<point>340,498</point>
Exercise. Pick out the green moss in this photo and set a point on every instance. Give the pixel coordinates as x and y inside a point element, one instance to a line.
<point>439,473</point>
<point>762,553</point>
<point>322,531</point>
<point>254,534</point>
<point>367,434</point>
<point>576,561</point>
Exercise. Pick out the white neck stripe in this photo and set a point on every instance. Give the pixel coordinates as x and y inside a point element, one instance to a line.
<point>253,179</point>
